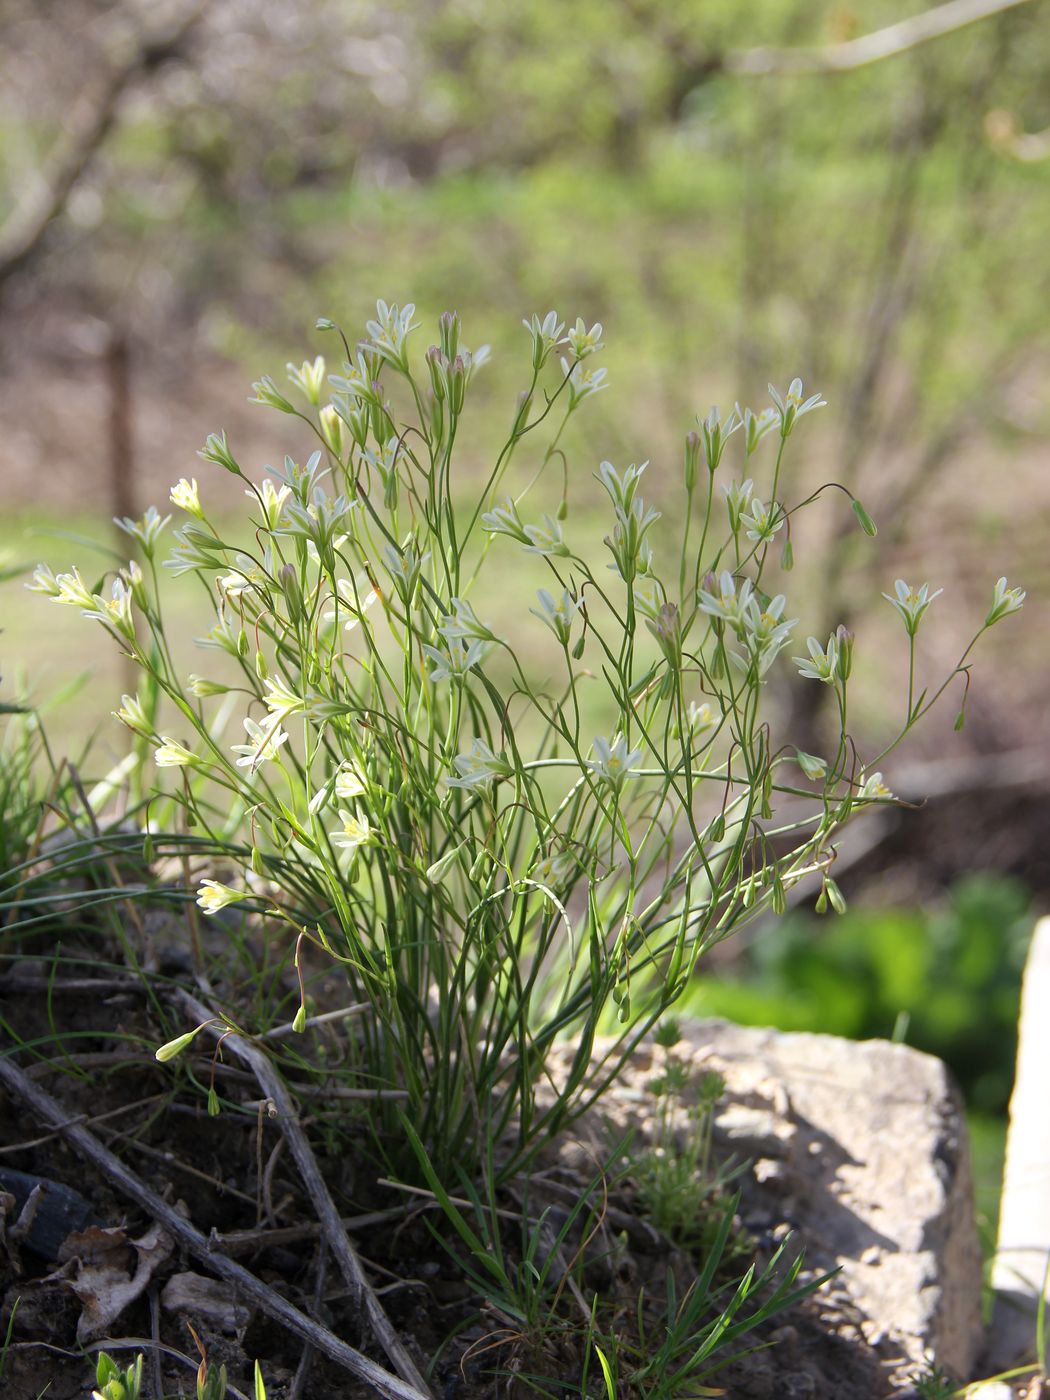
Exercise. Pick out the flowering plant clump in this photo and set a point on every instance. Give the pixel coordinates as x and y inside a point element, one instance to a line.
<point>420,787</point>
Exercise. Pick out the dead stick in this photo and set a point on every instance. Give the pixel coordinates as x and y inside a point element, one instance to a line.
<point>252,1289</point>
<point>273,1087</point>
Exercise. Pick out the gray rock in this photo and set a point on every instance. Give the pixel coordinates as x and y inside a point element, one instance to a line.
<point>873,1140</point>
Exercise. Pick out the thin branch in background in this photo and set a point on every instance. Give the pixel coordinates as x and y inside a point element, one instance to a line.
<point>88,123</point>
<point>869,48</point>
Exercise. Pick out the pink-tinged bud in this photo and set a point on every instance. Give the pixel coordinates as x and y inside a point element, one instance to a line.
<point>448,330</point>
<point>437,364</point>
<point>457,384</point>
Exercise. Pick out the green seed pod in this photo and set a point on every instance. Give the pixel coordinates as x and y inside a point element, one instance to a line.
<point>864,519</point>
<point>288,578</point>
<point>835,896</point>
<point>479,865</point>
<point>779,895</point>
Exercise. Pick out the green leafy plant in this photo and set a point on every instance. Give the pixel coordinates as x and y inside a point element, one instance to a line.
<point>673,1357</point>
<point>504,842</point>
<point>114,1384</point>
<point>678,1181</point>
<point>23,751</point>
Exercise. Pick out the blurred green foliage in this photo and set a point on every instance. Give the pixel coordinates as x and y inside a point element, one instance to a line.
<point>944,980</point>
<point>868,230</point>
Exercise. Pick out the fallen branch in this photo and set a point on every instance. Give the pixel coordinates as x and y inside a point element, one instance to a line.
<point>274,1088</point>
<point>252,1289</point>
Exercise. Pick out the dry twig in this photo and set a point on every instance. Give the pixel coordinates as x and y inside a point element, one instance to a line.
<point>274,1088</point>
<point>252,1289</point>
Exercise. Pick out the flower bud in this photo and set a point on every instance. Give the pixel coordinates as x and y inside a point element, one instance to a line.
<point>175,1047</point>
<point>692,460</point>
<point>332,429</point>
<point>864,519</point>
<point>288,578</point>
<point>202,688</point>
<point>436,410</point>
<point>437,872</point>
<point>481,862</point>
<point>845,639</point>
<point>448,330</point>
<point>779,895</point>
<point>457,384</point>
<point>437,364</point>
